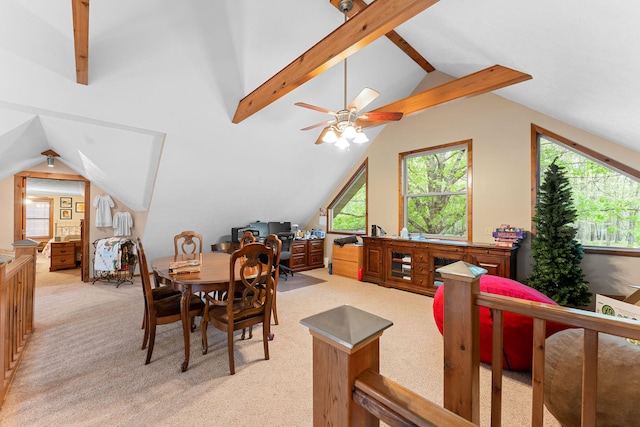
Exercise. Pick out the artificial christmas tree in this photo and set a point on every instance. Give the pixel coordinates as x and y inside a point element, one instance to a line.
<point>557,254</point>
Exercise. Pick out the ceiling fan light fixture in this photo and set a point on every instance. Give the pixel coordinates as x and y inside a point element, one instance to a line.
<point>360,138</point>
<point>349,131</point>
<point>330,137</point>
<point>342,143</point>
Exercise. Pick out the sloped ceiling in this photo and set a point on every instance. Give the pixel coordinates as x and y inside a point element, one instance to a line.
<point>180,68</point>
<point>105,153</point>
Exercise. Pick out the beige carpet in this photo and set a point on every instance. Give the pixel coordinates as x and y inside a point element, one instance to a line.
<point>84,366</point>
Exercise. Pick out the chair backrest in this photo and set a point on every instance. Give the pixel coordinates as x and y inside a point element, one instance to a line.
<point>252,284</point>
<point>144,277</point>
<point>246,238</point>
<point>287,240</point>
<point>187,242</point>
<point>273,242</point>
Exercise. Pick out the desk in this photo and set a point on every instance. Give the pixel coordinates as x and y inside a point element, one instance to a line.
<point>213,276</point>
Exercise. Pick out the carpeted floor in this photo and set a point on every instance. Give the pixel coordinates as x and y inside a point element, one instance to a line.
<point>84,365</point>
<point>44,277</point>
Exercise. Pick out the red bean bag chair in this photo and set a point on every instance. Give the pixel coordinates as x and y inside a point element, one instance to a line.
<point>518,329</point>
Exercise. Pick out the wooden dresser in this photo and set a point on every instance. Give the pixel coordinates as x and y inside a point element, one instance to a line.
<point>63,255</point>
<point>346,260</point>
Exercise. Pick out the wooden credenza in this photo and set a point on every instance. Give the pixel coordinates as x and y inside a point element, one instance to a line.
<point>307,254</point>
<point>63,255</point>
<point>411,265</point>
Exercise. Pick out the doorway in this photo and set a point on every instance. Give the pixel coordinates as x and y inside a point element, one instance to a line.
<point>64,212</point>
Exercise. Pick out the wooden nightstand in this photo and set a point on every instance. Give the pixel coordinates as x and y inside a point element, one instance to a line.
<point>63,255</point>
<point>347,260</point>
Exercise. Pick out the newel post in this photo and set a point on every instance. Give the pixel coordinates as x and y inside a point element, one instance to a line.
<point>345,344</point>
<point>462,339</point>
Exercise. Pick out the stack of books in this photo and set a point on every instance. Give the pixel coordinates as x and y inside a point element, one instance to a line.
<point>185,267</point>
<point>508,236</point>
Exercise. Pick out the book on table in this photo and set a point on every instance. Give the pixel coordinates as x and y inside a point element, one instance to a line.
<point>185,266</point>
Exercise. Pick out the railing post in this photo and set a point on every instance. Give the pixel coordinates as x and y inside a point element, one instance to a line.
<point>462,339</point>
<point>28,247</point>
<point>345,344</point>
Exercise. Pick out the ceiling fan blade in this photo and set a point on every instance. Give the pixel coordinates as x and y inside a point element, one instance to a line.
<point>313,107</point>
<point>483,81</point>
<point>317,125</point>
<point>324,131</point>
<point>363,99</point>
<point>382,116</point>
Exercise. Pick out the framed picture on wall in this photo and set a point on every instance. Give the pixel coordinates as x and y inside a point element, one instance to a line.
<point>65,202</point>
<point>79,207</point>
<point>65,213</point>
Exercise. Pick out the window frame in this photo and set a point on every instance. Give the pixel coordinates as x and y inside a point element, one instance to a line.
<point>467,144</point>
<point>50,218</point>
<point>591,155</point>
<point>364,168</point>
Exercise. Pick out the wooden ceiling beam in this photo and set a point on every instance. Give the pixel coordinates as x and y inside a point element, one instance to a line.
<point>483,81</point>
<point>395,38</point>
<point>80,11</point>
<point>374,21</point>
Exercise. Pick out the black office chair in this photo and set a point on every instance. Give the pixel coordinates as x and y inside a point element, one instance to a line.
<point>285,254</point>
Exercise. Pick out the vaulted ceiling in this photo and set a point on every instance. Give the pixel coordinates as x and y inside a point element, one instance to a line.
<point>189,70</point>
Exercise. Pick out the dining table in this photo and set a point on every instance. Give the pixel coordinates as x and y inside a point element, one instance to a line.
<point>213,276</point>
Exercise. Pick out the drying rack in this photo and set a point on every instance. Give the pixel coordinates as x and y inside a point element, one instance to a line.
<point>128,261</point>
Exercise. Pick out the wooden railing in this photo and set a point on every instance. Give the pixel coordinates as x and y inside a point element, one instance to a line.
<point>382,399</point>
<point>17,284</point>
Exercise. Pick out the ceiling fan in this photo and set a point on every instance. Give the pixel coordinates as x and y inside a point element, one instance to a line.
<point>346,123</point>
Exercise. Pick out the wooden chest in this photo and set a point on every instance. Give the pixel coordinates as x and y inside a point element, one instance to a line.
<point>347,260</point>
<point>63,255</point>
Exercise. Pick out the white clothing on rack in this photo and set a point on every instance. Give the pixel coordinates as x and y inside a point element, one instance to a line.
<point>103,204</point>
<point>122,223</point>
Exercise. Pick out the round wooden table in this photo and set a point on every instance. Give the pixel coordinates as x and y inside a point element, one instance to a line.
<point>213,276</point>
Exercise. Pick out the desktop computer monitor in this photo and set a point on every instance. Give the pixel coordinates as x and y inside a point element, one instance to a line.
<point>279,227</point>
<point>262,227</point>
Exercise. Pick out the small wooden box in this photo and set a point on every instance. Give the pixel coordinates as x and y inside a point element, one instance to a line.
<point>347,260</point>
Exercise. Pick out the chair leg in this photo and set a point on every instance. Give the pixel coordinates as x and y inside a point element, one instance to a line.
<point>266,337</point>
<point>274,309</point>
<point>203,332</point>
<point>145,325</point>
<point>232,367</point>
<point>244,330</point>
<point>152,340</point>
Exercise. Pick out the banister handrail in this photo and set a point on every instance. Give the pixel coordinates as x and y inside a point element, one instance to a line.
<point>619,326</point>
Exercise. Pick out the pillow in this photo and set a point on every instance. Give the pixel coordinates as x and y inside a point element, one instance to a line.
<point>518,330</point>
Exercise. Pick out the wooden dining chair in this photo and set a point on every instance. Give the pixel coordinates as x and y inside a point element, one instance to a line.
<point>162,289</point>
<point>246,238</point>
<point>251,288</point>
<point>187,242</point>
<point>273,242</point>
<point>162,311</point>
